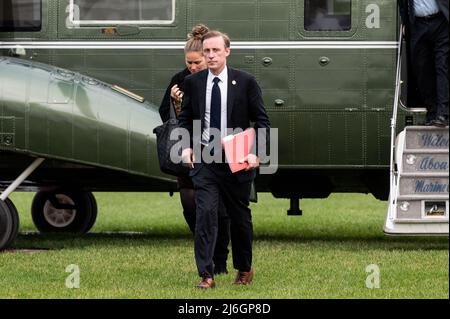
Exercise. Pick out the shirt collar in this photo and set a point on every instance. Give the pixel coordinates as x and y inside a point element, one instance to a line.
<point>223,76</point>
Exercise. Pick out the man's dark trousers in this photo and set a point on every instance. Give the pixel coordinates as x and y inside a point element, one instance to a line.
<point>430,45</point>
<point>211,181</point>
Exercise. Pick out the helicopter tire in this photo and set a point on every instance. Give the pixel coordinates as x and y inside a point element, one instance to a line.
<point>15,221</point>
<point>73,214</point>
<point>94,211</point>
<point>6,225</point>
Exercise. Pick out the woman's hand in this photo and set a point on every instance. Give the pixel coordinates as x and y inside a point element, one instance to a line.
<point>176,94</point>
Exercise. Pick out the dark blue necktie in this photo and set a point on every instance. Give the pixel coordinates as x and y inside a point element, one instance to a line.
<point>216,102</point>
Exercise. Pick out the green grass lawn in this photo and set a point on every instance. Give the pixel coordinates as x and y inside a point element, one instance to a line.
<point>141,247</point>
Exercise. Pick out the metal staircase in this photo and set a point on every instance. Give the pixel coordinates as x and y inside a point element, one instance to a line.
<point>419,171</point>
<point>419,202</point>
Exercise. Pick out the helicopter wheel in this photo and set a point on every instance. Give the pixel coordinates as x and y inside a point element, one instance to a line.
<point>9,223</point>
<point>93,210</point>
<point>64,211</point>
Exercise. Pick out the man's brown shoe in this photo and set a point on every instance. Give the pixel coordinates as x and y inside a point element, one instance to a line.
<point>206,283</point>
<point>244,277</point>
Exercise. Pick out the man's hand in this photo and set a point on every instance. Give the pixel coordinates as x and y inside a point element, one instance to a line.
<point>188,157</point>
<point>252,160</point>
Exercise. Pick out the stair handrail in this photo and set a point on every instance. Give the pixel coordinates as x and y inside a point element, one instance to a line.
<point>395,110</point>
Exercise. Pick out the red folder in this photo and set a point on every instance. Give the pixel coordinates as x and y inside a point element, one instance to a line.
<point>237,147</point>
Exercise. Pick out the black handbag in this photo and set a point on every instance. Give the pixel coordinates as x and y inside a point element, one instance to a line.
<point>165,144</point>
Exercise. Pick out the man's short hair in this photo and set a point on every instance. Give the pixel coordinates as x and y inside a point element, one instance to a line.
<point>215,33</point>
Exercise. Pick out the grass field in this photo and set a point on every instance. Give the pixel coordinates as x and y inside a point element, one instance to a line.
<point>140,247</point>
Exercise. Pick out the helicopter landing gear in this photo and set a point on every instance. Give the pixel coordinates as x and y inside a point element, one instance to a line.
<point>64,211</point>
<point>9,223</point>
<point>9,218</point>
<point>295,210</point>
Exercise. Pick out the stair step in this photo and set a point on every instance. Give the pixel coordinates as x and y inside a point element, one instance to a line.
<point>421,209</point>
<point>425,151</point>
<point>426,138</point>
<point>421,221</point>
<point>424,163</point>
<point>424,128</point>
<point>425,175</point>
<point>423,185</point>
<point>422,197</point>
<point>416,229</point>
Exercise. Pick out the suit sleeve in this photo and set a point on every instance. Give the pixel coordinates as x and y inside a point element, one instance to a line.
<point>258,115</point>
<point>186,117</point>
<point>166,103</point>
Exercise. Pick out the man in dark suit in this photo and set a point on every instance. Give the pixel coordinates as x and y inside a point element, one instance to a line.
<point>220,98</point>
<point>426,29</point>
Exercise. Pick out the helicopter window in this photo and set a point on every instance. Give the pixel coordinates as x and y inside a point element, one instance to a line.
<point>20,15</point>
<point>101,12</point>
<point>328,15</point>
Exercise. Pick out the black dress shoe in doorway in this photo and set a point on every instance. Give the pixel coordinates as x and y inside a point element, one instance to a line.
<point>439,121</point>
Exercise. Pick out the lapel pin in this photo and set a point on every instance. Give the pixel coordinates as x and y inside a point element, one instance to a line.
<point>233,82</point>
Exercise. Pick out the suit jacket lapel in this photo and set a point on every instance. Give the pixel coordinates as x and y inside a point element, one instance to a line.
<point>230,96</point>
<point>202,95</point>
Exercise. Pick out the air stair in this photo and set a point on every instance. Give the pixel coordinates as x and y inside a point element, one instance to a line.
<point>419,171</point>
<point>419,202</point>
